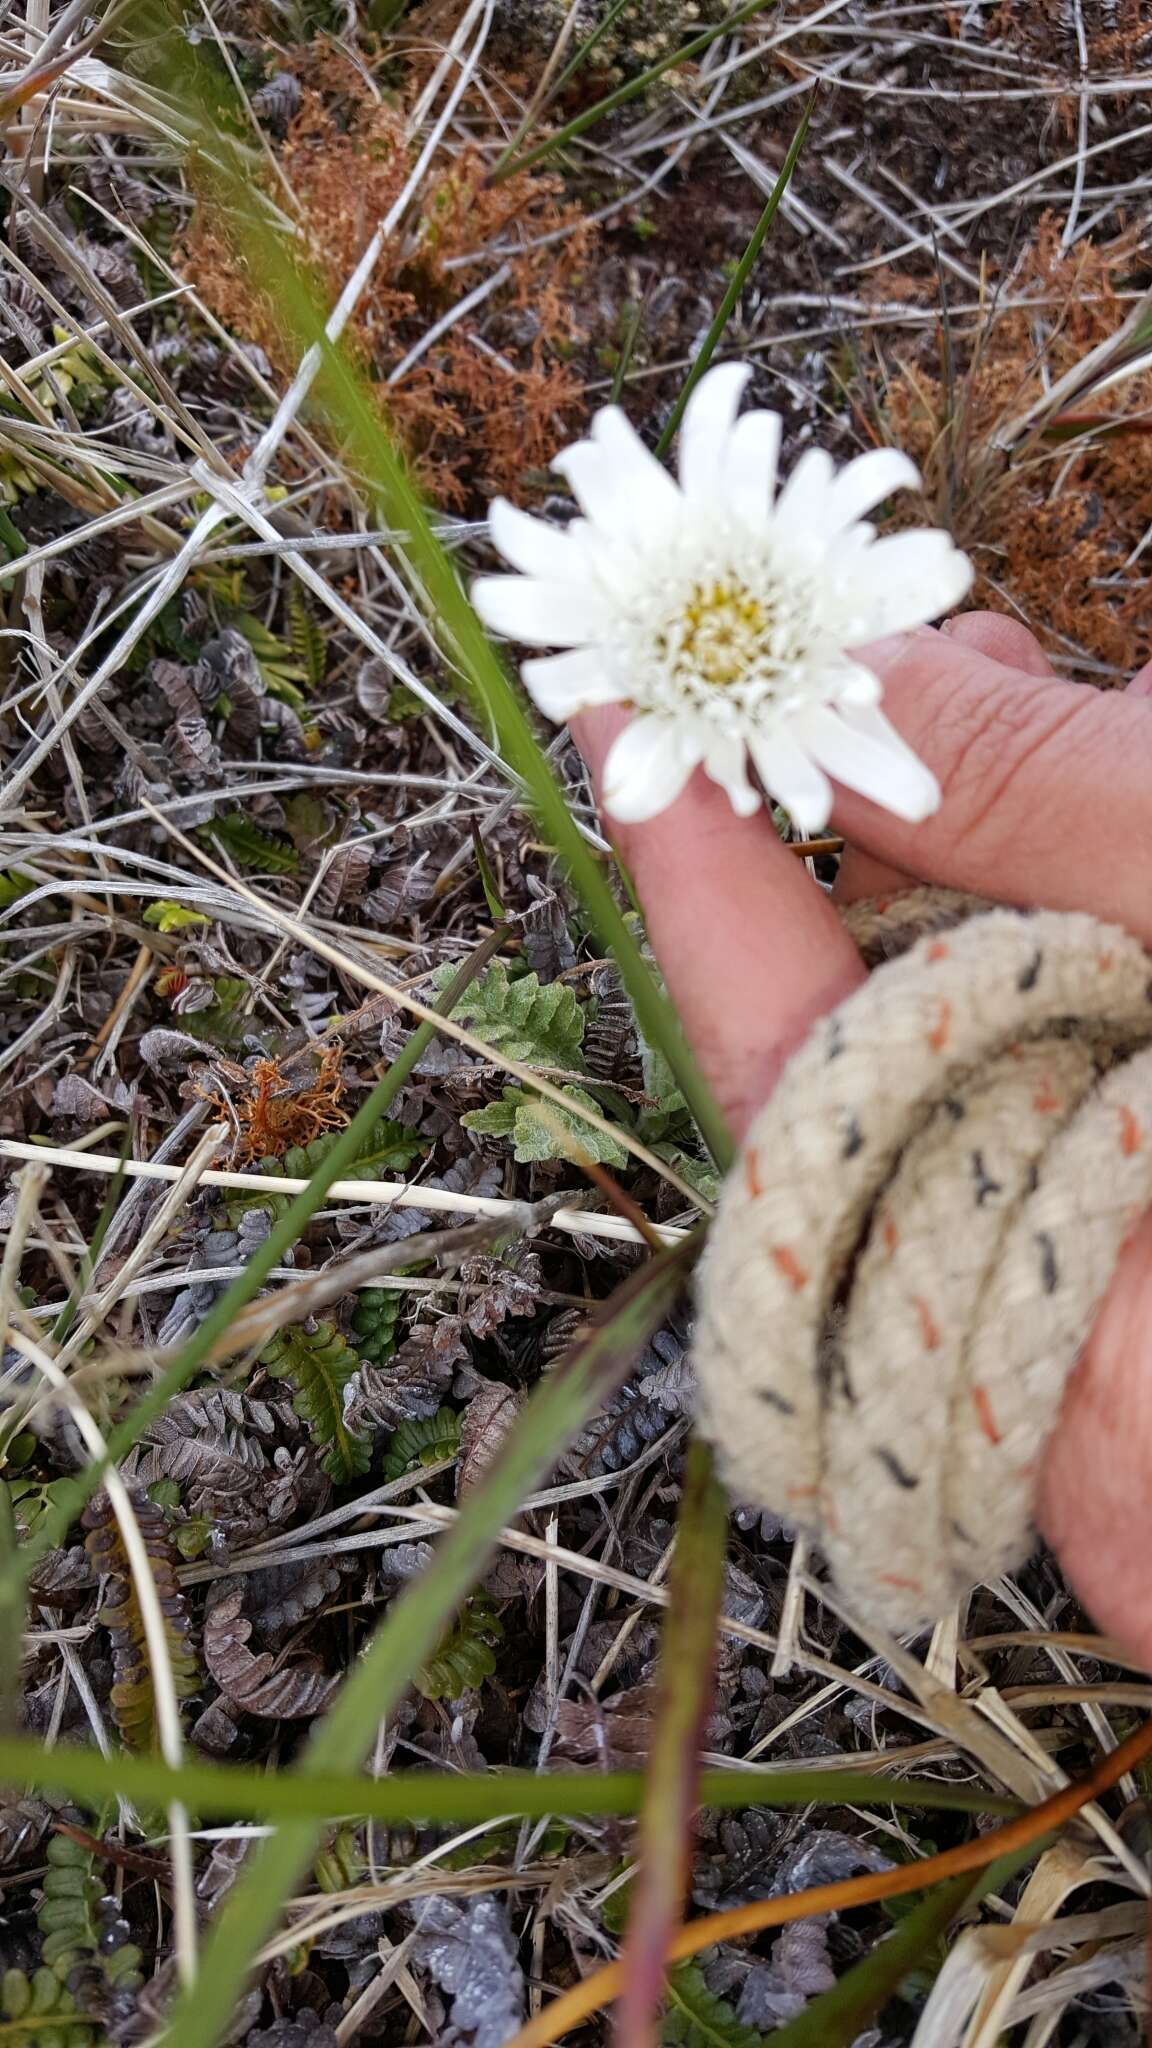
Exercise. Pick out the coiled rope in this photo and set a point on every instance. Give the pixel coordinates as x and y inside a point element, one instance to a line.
<point>913,1245</point>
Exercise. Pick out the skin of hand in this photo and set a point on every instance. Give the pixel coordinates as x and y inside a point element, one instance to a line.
<point>753,953</point>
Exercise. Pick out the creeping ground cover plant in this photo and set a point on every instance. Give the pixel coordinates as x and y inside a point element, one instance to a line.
<point>727,617</point>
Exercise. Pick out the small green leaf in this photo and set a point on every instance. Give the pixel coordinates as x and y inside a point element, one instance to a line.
<point>309,645</point>
<point>542,1130</point>
<point>173,917</point>
<point>376,1321</point>
<point>539,1026</point>
<point>389,1148</point>
<point>13,887</point>
<point>278,664</point>
<point>467,1655</point>
<point>696,2018</point>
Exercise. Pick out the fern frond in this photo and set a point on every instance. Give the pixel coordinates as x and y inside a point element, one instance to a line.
<point>539,1026</point>
<point>319,1364</point>
<point>388,1148</point>
<point>281,671</point>
<point>695,2018</point>
<point>307,638</point>
<point>50,2012</point>
<point>69,1917</point>
<point>249,847</point>
<point>376,1321</point>
<point>467,1655</point>
<point>422,1441</point>
<point>133,1692</point>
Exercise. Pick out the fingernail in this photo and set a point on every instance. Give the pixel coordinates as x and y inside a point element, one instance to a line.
<point>1141,684</point>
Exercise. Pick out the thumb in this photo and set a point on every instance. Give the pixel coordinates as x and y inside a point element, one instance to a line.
<point>1027,765</point>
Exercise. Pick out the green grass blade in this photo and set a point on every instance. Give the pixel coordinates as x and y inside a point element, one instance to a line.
<point>507,166</point>
<point>237,1792</point>
<point>415,1622</point>
<point>739,279</point>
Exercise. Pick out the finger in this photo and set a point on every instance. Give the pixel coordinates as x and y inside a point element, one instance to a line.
<point>1005,640</point>
<point>751,951</point>
<point>1001,639</point>
<point>1028,766</point>
<point>1095,1500</point>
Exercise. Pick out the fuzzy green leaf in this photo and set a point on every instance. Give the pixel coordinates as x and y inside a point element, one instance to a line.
<point>319,1365</point>
<point>542,1130</point>
<point>539,1026</point>
<point>695,2018</point>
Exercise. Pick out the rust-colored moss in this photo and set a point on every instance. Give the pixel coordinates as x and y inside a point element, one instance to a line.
<point>493,397</point>
<point>273,1107</point>
<point>1051,529</point>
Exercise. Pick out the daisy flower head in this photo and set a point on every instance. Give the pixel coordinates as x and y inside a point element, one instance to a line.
<point>722,613</point>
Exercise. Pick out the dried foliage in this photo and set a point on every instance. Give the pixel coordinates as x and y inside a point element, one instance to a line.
<point>489,400</point>
<point>291,1689</point>
<point>1059,530</point>
<point>133,1690</point>
<point>468,1950</point>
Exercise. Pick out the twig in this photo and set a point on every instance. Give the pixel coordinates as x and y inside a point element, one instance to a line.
<point>402,1194</point>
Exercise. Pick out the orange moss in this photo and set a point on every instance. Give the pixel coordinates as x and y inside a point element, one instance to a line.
<point>492,398</point>
<point>1050,530</point>
<point>275,1107</point>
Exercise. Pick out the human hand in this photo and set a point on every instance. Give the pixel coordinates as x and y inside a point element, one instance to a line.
<point>752,953</point>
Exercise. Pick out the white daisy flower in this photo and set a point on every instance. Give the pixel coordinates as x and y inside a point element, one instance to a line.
<point>722,614</point>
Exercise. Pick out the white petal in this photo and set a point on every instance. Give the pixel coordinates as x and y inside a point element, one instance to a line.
<point>560,685</point>
<point>793,779</point>
<point>539,613</point>
<point>854,685</point>
<point>618,482</point>
<point>802,504</point>
<point>868,718</point>
<point>530,545</point>
<point>750,457</point>
<point>708,420</point>
<point>866,761</point>
<point>724,763</point>
<point>863,482</point>
<point>648,765</point>
<point>618,566</point>
<point>900,582</point>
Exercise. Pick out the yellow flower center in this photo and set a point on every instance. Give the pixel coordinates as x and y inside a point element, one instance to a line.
<point>723,628</point>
